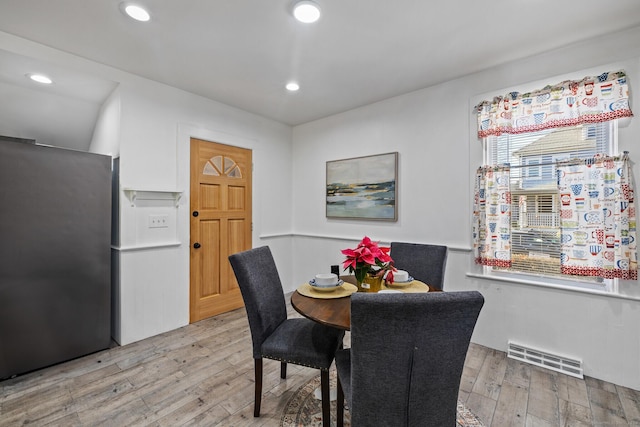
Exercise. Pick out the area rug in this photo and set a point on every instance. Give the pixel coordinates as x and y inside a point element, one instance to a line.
<point>304,410</point>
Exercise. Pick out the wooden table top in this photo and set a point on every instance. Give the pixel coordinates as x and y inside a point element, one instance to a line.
<point>334,312</point>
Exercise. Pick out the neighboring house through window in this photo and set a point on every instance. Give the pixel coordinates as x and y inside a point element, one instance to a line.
<point>535,202</point>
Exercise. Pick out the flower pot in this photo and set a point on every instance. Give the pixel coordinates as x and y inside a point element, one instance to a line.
<point>370,283</point>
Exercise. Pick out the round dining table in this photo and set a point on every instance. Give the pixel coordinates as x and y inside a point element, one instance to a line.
<point>334,312</point>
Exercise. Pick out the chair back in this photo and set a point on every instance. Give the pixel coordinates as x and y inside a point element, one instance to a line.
<point>262,293</point>
<point>423,262</point>
<point>407,355</point>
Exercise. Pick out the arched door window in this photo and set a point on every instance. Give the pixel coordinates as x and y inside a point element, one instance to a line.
<point>222,166</point>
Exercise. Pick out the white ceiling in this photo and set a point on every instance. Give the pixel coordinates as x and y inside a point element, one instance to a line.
<point>242,52</point>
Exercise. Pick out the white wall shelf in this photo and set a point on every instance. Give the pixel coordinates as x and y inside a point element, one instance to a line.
<point>134,195</point>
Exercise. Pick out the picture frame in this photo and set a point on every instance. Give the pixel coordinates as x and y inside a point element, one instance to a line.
<point>363,188</point>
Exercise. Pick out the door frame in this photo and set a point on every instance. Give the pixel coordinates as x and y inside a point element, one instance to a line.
<point>184,134</point>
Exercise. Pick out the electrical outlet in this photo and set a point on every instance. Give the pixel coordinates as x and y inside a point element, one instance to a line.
<point>158,221</point>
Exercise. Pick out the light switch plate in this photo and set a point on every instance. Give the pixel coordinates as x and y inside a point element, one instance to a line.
<point>158,221</point>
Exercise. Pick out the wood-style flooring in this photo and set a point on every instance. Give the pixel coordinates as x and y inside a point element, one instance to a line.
<point>202,375</point>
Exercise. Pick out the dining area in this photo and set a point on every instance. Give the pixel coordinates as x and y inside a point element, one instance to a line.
<point>205,373</point>
<point>408,336</point>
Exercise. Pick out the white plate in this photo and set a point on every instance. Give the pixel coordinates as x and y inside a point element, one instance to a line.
<point>323,288</point>
<point>400,284</point>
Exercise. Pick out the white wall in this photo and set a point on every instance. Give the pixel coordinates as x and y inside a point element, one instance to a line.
<point>106,132</point>
<point>434,131</point>
<point>23,111</point>
<point>156,125</point>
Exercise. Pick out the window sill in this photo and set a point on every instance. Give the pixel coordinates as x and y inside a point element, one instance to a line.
<point>538,284</point>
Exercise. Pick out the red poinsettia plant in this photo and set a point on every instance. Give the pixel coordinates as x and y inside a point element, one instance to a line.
<point>369,258</point>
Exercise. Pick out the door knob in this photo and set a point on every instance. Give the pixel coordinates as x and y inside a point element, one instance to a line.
<point>195,213</point>
<point>196,245</point>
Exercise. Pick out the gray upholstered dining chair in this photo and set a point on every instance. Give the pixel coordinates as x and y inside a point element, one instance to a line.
<point>406,357</point>
<point>299,341</point>
<point>423,262</point>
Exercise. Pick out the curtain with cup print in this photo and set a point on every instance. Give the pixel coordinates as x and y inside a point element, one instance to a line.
<point>492,217</point>
<point>598,218</point>
<point>569,103</point>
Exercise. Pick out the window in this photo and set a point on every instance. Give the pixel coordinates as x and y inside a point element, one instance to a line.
<point>533,171</point>
<point>553,198</point>
<point>536,234</point>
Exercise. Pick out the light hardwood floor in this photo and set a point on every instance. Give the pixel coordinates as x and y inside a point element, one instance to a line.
<point>202,375</point>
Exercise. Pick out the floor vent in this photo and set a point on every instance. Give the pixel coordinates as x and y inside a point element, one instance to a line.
<point>554,362</point>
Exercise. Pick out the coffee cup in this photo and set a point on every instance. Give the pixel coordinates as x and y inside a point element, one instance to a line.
<point>400,276</point>
<point>326,279</point>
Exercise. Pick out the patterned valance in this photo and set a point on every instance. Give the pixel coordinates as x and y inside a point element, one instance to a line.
<point>590,100</point>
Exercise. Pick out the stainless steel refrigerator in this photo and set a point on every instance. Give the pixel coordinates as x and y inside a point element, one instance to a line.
<point>55,262</point>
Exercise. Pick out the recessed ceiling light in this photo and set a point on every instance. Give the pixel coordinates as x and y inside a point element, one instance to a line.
<point>306,11</point>
<point>136,12</point>
<point>292,86</point>
<point>40,78</point>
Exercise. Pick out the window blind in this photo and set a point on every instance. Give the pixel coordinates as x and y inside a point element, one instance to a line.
<point>535,202</point>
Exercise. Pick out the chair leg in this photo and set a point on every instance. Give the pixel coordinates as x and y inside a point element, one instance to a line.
<point>326,402</point>
<point>283,370</point>
<point>340,406</point>
<point>258,371</point>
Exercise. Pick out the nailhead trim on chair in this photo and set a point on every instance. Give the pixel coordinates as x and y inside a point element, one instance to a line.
<point>293,363</point>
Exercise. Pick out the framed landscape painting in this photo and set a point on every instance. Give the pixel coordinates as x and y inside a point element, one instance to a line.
<point>363,187</point>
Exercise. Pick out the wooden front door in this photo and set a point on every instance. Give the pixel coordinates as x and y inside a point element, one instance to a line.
<point>220,225</point>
